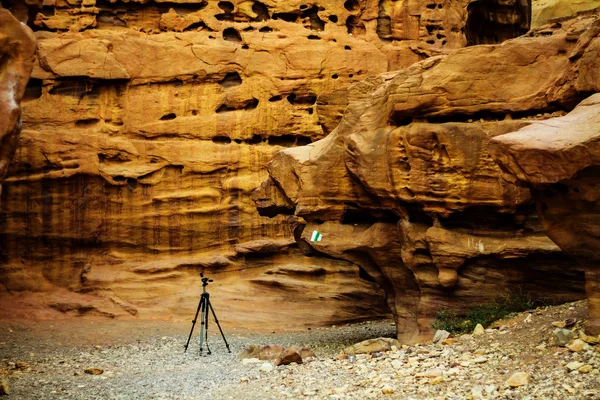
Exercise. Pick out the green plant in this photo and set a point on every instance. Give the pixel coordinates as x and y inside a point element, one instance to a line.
<point>484,314</point>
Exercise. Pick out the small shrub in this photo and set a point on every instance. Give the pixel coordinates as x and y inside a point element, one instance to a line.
<point>484,314</point>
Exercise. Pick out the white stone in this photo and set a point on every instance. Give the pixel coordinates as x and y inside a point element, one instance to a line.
<point>478,330</point>
<point>266,367</point>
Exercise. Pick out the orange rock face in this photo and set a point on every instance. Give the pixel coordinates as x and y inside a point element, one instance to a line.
<point>148,124</point>
<point>560,160</point>
<point>17,48</point>
<point>406,186</point>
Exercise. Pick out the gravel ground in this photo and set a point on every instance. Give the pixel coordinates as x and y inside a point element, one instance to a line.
<point>145,360</point>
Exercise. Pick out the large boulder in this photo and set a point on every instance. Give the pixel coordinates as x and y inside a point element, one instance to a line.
<point>406,187</point>
<point>559,159</point>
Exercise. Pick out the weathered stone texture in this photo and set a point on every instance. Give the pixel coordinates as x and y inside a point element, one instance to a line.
<point>149,123</point>
<point>17,49</point>
<point>560,160</point>
<point>406,187</point>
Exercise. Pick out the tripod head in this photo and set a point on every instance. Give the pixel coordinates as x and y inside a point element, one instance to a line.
<point>205,281</point>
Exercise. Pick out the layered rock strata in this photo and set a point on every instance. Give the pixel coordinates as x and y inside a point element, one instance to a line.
<point>406,187</point>
<point>17,54</point>
<point>559,159</point>
<point>149,123</point>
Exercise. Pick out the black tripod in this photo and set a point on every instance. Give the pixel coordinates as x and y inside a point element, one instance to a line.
<point>203,307</point>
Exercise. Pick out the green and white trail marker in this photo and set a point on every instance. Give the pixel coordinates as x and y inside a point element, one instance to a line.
<point>316,236</point>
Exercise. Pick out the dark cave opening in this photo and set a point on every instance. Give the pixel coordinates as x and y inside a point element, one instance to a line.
<point>490,22</point>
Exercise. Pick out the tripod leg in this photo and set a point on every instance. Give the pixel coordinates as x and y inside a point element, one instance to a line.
<point>193,324</point>
<point>206,326</point>
<point>218,325</point>
<point>202,318</point>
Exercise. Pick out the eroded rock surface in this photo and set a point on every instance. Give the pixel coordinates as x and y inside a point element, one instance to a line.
<point>17,49</point>
<point>149,123</point>
<point>560,160</point>
<point>406,187</point>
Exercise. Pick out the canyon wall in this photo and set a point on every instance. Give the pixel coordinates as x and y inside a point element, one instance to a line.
<point>559,160</point>
<point>148,124</point>
<point>406,186</point>
<point>17,49</point>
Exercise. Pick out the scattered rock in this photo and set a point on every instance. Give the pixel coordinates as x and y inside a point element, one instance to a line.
<point>94,371</point>
<point>518,379</point>
<point>563,336</point>
<point>440,336</point>
<point>304,352</point>
<point>588,339</point>
<point>270,352</point>
<point>387,390</point>
<point>372,345</point>
<point>266,367</point>
<point>4,390</point>
<point>577,345</point>
<point>559,324</point>
<point>21,365</point>
<point>247,361</point>
<point>288,356</point>
<point>585,369</point>
<point>573,365</point>
<point>478,330</point>
<point>437,380</point>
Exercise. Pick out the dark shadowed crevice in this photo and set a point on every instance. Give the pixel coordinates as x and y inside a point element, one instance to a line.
<point>494,21</point>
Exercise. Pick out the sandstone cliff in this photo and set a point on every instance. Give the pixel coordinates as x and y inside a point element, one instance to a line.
<point>17,48</point>
<point>147,125</point>
<point>560,159</point>
<point>406,187</point>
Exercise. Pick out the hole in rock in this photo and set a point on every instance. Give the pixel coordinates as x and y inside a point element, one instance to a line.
<point>196,26</point>
<point>333,18</point>
<point>316,23</point>
<point>431,6</point>
<point>168,117</point>
<point>131,183</point>
<point>480,218</point>
<point>226,6</point>
<point>303,7</point>
<point>221,140</point>
<point>355,26</point>
<point>287,17</point>
<point>238,141</point>
<point>248,29</point>
<point>231,35</point>
<point>496,21</point>
<point>347,48</point>
<point>334,76</point>
<point>252,104</point>
<point>358,216</point>
<point>119,178</point>
<point>275,98</point>
<point>417,215</point>
<point>283,140</point>
<point>303,140</point>
<point>261,11</point>
<point>231,79</point>
<point>245,47</point>
<point>265,29</point>
<point>224,108</point>
<point>306,98</point>
<point>33,90</point>
<point>384,24</point>
<point>256,139</point>
<point>351,5</point>
<point>85,123</point>
<point>313,37</point>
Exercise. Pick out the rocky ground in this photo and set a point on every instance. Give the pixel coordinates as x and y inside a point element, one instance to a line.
<point>145,360</point>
